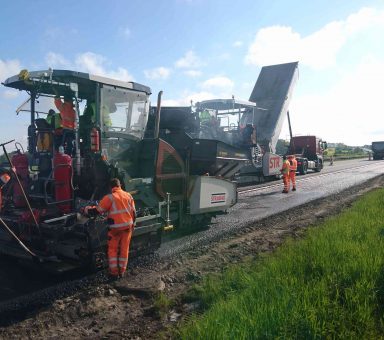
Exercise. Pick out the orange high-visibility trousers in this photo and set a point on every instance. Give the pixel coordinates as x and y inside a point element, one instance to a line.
<point>292,177</point>
<point>118,250</point>
<point>286,182</point>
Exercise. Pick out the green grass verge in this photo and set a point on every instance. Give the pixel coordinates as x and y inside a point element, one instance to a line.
<point>328,285</point>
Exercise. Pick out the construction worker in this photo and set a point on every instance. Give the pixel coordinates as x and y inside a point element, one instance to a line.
<point>292,170</point>
<point>54,119</point>
<point>285,172</point>
<point>68,119</point>
<point>105,114</point>
<point>67,112</point>
<point>120,207</point>
<point>4,179</point>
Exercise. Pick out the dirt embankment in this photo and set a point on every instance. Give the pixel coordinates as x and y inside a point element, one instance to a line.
<point>138,307</point>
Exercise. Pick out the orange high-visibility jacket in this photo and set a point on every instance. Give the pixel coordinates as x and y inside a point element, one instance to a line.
<point>293,164</point>
<point>120,207</point>
<point>285,167</point>
<point>4,179</point>
<point>67,112</point>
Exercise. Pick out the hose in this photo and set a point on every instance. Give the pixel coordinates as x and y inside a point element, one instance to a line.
<point>19,241</point>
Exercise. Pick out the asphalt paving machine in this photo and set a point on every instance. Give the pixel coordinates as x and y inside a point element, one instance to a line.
<point>244,133</point>
<point>64,170</point>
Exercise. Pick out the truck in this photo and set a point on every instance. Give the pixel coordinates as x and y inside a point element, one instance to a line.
<point>116,135</point>
<point>308,151</point>
<point>378,150</point>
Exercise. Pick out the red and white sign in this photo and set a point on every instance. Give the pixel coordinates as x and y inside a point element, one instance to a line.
<point>271,164</point>
<point>217,198</point>
<point>274,162</point>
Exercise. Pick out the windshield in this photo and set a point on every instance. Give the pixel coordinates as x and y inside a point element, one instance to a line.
<point>124,111</point>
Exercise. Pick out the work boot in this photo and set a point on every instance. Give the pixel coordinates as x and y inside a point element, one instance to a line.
<point>285,192</point>
<point>293,189</point>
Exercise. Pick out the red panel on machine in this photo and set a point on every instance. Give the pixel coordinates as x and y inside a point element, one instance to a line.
<point>63,174</point>
<point>20,162</point>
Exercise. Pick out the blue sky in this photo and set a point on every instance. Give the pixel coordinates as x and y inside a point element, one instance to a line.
<point>201,49</point>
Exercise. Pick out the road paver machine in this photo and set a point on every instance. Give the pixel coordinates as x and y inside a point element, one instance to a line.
<point>64,170</point>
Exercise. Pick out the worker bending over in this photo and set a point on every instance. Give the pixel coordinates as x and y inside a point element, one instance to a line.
<point>292,170</point>
<point>120,207</point>
<point>285,172</point>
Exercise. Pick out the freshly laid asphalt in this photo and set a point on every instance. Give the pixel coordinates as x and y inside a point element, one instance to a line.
<point>269,200</point>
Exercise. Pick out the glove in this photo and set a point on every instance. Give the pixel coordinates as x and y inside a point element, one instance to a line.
<point>91,211</point>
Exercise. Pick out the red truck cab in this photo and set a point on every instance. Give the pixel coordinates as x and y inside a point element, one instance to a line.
<point>309,152</point>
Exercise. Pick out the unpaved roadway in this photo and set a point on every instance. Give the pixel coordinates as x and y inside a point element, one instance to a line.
<point>259,223</point>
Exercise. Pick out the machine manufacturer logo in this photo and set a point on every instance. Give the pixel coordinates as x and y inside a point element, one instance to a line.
<point>274,162</point>
<point>217,198</point>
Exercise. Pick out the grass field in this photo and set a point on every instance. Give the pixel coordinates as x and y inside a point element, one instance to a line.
<point>328,285</point>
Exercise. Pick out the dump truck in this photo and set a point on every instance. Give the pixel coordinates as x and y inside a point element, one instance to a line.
<point>63,170</point>
<point>378,150</point>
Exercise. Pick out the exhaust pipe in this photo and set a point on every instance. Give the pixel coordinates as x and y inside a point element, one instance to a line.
<point>158,111</point>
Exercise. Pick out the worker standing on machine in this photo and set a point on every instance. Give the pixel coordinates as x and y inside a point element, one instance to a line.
<point>285,172</point>
<point>68,120</point>
<point>120,207</point>
<point>292,171</point>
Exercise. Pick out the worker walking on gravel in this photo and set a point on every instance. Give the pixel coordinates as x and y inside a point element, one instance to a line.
<point>120,207</point>
<point>285,172</point>
<point>292,171</point>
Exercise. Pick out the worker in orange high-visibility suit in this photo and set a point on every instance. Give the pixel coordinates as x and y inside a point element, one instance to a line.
<point>68,121</point>
<point>4,179</point>
<point>67,112</point>
<point>120,207</point>
<point>292,170</point>
<point>285,172</point>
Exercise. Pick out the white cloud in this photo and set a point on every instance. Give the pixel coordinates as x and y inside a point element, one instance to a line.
<point>171,102</point>
<point>237,43</point>
<point>186,98</point>
<point>190,60</point>
<point>96,64</point>
<point>157,73</point>
<point>218,82</point>
<point>349,111</point>
<point>279,44</point>
<point>199,96</point>
<point>9,68</point>
<point>56,60</point>
<point>89,62</point>
<point>193,73</point>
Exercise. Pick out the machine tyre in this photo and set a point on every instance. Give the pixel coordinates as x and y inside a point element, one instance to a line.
<point>319,166</point>
<point>304,168</point>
